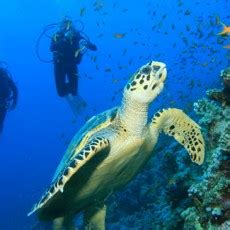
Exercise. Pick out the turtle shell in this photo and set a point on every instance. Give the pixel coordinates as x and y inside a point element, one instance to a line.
<point>82,137</point>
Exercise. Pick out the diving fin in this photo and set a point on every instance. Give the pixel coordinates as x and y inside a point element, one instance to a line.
<point>77,104</point>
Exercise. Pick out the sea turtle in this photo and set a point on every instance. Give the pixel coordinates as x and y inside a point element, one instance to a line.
<point>111,149</point>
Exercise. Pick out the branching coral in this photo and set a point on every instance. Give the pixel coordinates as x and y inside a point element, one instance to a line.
<point>225,139</point>
<point>208,110</point>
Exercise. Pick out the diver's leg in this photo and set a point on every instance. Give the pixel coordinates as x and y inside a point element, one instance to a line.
<point>58,223</point>
<point>75,101</point>
<point>94,218</point>
<point>59,72</point>
<point>72,75</point>
<point>3,112</point>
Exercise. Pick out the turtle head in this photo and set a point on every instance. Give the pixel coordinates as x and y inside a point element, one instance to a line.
<point>147,83</point>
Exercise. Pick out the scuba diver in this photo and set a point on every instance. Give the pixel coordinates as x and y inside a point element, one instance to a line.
<point>8,95</point>
<point>68,47</point>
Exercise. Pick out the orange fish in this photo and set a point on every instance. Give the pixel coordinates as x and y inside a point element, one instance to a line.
<point>227,47</point>
<point>119,35</point>
<point>225,31</point>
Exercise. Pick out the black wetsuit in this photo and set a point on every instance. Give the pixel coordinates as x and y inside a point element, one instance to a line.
<point>8,95</point>
<point>64,47</point>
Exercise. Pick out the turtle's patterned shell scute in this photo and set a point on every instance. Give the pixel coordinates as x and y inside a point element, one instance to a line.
<point>80,139</point>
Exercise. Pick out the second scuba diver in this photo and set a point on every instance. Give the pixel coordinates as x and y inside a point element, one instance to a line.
<point>8,95</point>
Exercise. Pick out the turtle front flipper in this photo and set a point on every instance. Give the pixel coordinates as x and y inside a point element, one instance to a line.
<point>57,188</point>
<point>176,123</point>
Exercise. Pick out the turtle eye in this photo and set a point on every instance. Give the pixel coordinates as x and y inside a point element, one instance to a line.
<point>146,70</point>
<point>156,68</point>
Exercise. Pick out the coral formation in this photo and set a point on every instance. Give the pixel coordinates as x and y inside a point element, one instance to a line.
<point>211,196</point>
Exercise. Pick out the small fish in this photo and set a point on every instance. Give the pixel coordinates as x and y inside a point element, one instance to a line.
<point>226,47</point>
<point>225,31</point>
<point>98,5</point>
<point>217,20</point>
<point>121,66</point>
<point>107,70</point>
<point>124,52</point>
<point>94,58</point>
<point>191,84</point>
<point>114,80</point>
<point>114,5</point>
<point>119,35</point>
<point>130,61</point>
<point>100,35</point>
<point>205,64</point>
<point>187,12</point>
<point>180,3</point>
<point>187,28</point>
<point>82,12</point>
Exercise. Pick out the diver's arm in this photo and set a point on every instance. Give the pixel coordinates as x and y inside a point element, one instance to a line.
<point>53,44</point>
<point>56,41</point>
<point>89,45</point>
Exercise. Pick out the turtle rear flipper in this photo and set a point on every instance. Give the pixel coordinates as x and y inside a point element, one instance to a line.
<point>66,222</point>
<point>94,217</point>
<point>176,123</point>
<point>96,146</point>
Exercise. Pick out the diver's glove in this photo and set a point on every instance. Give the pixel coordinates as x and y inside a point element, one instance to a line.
<point>91,46</point>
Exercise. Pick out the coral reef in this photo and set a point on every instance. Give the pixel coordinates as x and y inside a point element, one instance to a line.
<point>211,196</point>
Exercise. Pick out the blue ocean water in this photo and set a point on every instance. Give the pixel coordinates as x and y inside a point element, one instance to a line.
<point>183,34</point>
